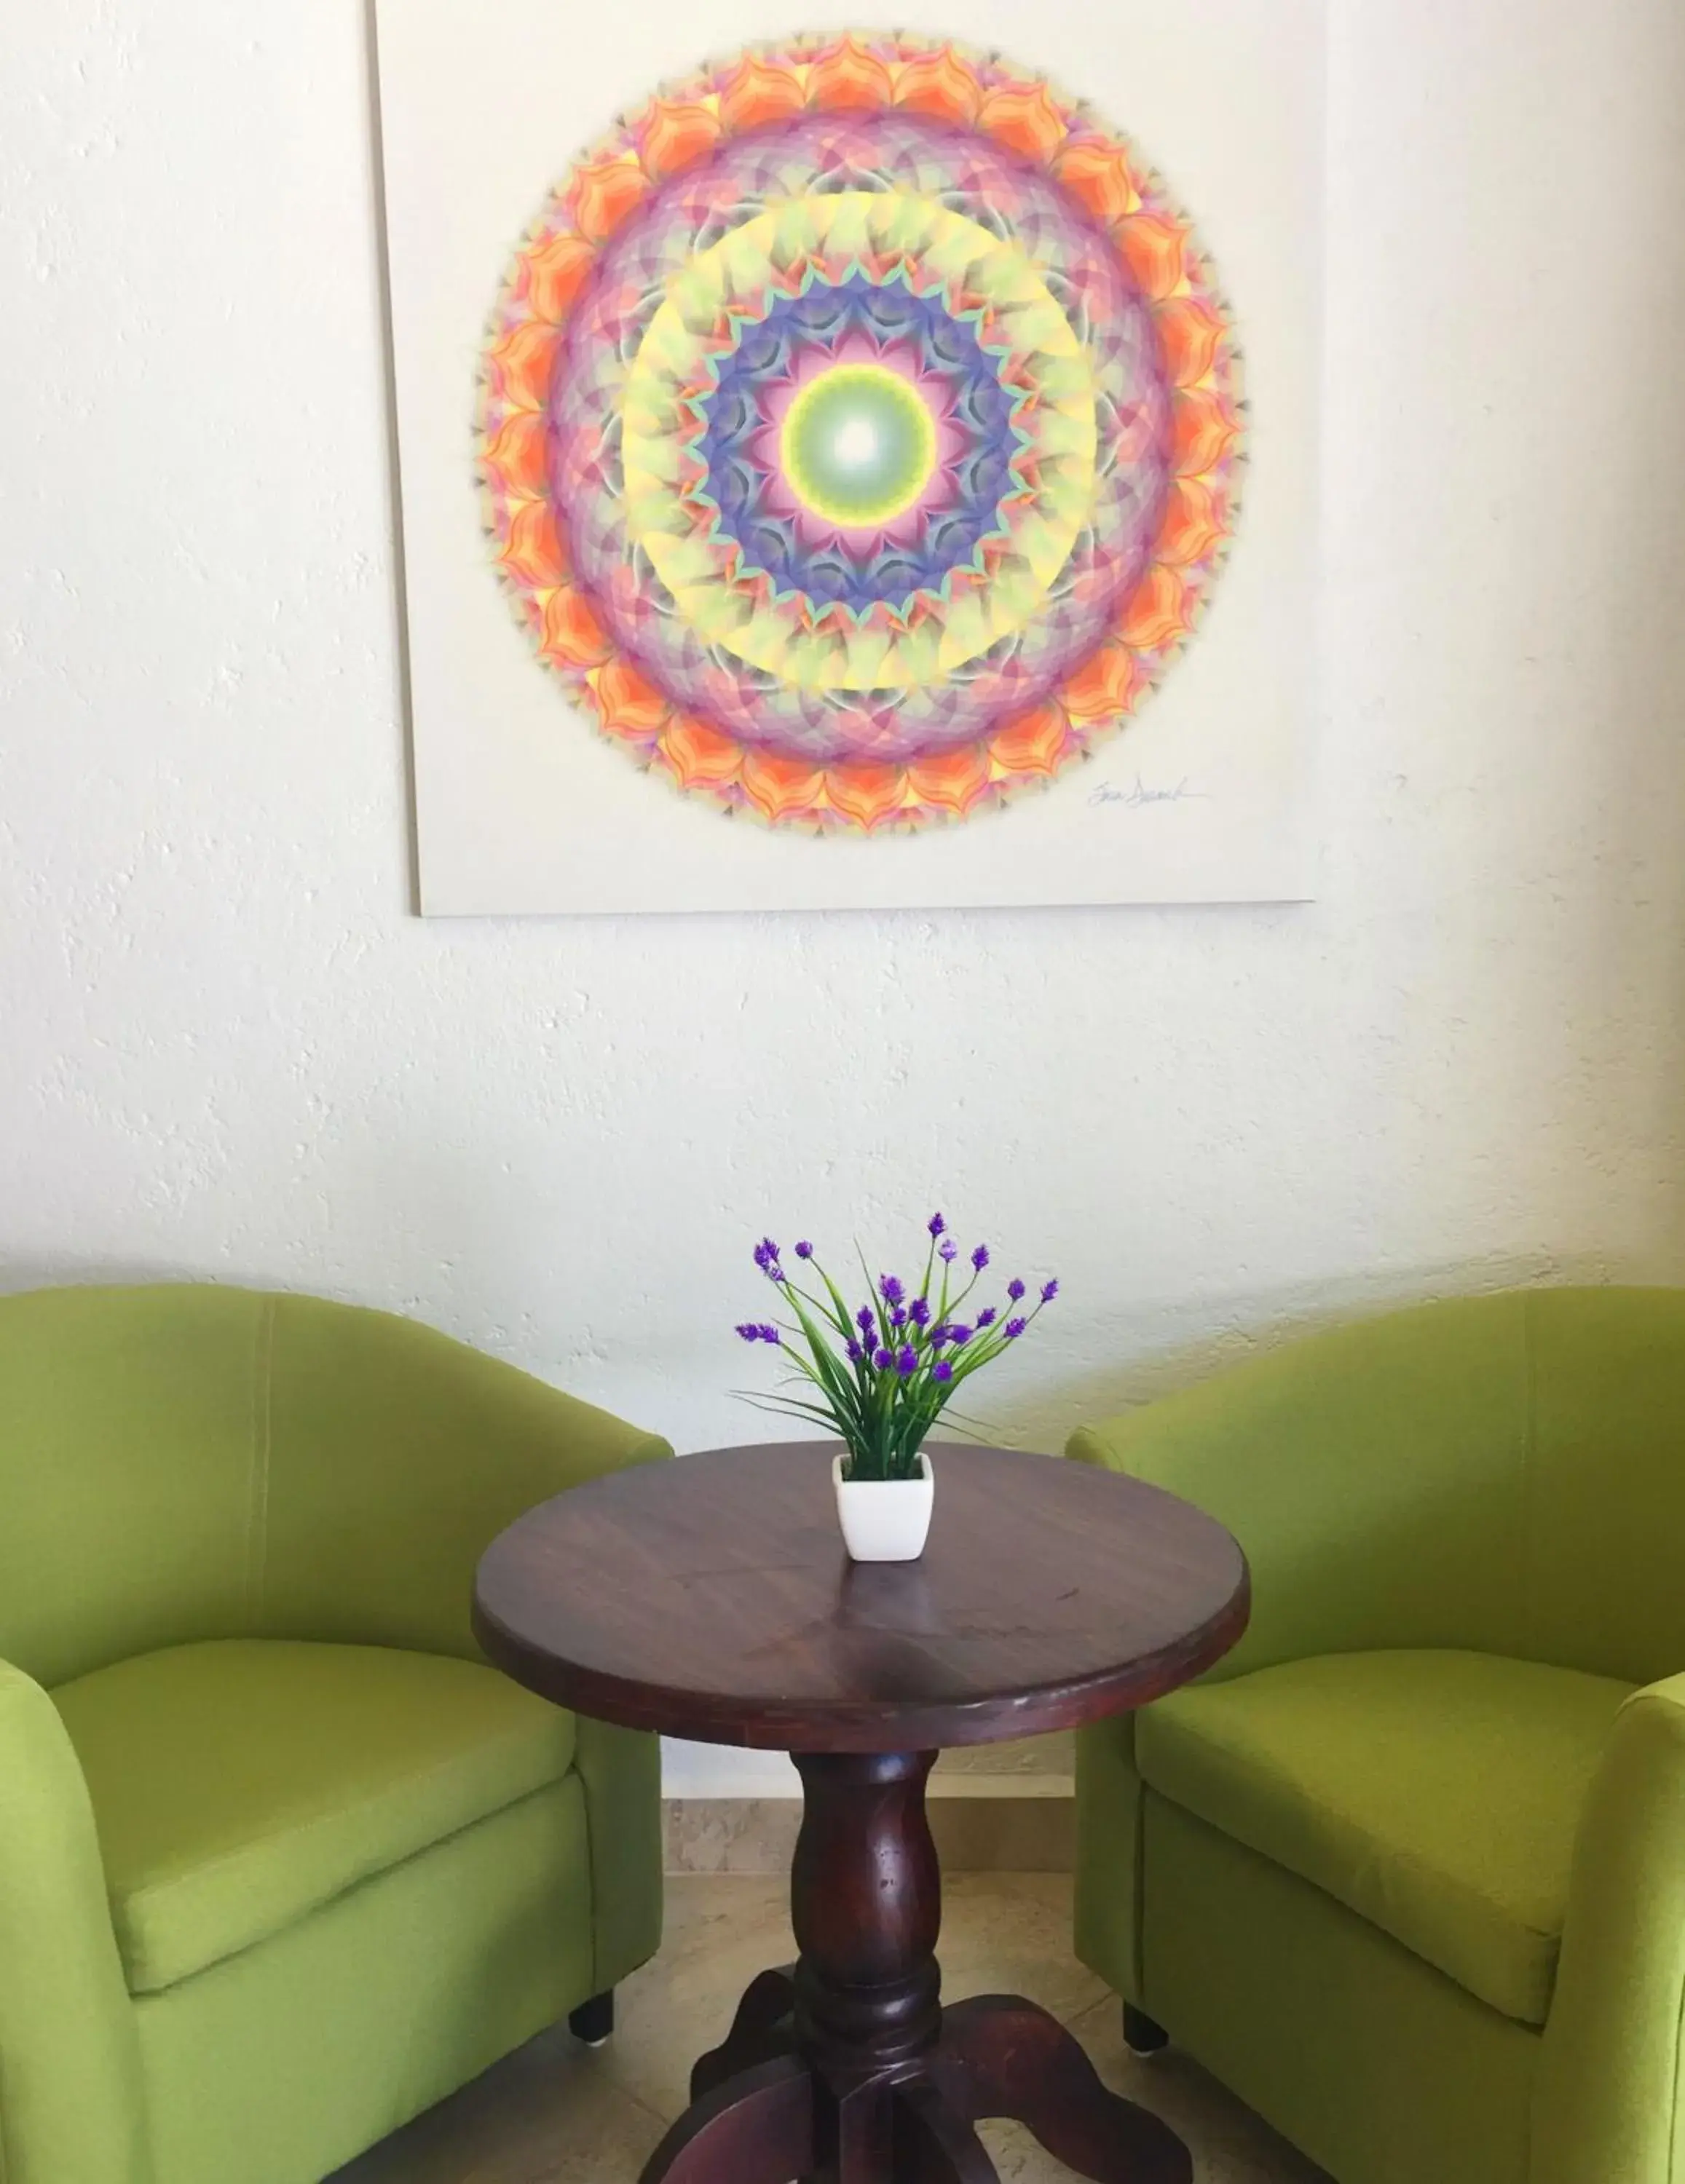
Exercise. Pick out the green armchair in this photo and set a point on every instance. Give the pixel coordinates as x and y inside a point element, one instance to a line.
<point>1407,1871</point>
<point>281,1860</point>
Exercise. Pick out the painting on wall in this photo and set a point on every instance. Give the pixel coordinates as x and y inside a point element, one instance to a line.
<point>831,497</point>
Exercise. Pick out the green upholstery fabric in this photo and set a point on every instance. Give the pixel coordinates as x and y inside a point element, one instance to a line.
<point>620,1772</point>
<point>1500,1477</point>
<point>239,1785</point>
<point>1610,2085</point>
<point>1391,2071</point>
<point>72,2098</point>
<point>201,1488</point>
<point>285,2061</point>
<point>1462,1851</point>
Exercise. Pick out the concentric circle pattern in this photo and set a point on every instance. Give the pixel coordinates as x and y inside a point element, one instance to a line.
<point>857,446</point>
<point>859,433</point>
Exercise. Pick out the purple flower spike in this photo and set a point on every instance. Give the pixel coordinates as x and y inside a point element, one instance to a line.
<point>854,1353</point>
<point>749,1333</point>
<point>937,1224</point>
<point>771,1334</point>
<point>1014,1290</point>
<point>959,1334</point>
<point>948,1249</point>
<point>882,1360</point>
<point>898,1317</point>
<point>918,1311</point>
<point>766,1254</point>
<point>908,1361</point>
<point>987,1317</point>
<point>1049,1291</point>
<point>890,1289</point>
<point>1013,1329</point>
<point>941,1370</point>
<point>804,1251</point>
<point>979,1257</point>
<point>864,1319</point>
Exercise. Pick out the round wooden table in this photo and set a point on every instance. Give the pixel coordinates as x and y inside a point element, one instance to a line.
<point>711,1598</point>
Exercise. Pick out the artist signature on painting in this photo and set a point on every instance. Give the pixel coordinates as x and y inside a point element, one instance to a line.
<point>1134,796</point>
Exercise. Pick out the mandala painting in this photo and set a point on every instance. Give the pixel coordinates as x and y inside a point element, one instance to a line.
<point>859,433</point>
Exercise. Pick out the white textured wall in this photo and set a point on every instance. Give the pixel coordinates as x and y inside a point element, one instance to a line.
<point>228,1050</point>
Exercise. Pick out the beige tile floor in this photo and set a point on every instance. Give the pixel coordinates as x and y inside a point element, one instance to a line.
<point>555,2113</point>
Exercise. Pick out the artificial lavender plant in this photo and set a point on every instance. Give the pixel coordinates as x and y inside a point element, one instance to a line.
<point>882,1374</point>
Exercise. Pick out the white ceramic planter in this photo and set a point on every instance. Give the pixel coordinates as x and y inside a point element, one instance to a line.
<point>885,1520</point>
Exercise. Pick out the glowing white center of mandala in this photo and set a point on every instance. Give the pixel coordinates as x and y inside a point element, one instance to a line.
<point>856,443</point>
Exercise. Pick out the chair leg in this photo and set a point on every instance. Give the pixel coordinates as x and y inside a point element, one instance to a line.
<point>1142,2035</point>
<point>594,2020</point>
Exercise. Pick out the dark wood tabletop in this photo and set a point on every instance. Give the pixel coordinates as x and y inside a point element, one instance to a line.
<point>712,1598</point>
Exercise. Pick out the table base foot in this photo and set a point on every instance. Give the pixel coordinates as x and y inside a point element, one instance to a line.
<point>763,2030</point>
<point>757,2128</point>
<point>1000,2055</point>
<point>763,2116</point>
<point>933,2143</point>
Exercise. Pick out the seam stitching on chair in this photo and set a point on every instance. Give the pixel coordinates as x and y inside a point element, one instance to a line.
<point>257,1540</point>
<point>1673,2126</point>
<point>1139,1967</point>
<point>357,1879</point>
<point>592,1849</point>
<point>1530,1635</point>
<point>404,1786</point>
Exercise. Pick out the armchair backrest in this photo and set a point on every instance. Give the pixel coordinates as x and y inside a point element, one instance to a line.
<point>130,1427</point>
<point>184,1461</point>
<point>1503,1473</point>
<point>1604,1497</point>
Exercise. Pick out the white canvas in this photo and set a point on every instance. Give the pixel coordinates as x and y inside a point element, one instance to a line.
<point>522,806</point>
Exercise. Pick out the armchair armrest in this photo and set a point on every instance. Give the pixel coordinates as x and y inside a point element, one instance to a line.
<point>71,2101</point>
<point>1609,2100</point>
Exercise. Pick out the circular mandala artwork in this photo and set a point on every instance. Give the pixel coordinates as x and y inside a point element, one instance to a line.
<point>859,433</point>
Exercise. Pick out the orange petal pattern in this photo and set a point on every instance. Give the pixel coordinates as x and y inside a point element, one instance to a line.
<point>1155,617</point>
<point>940,83</point>
<point>519,362</point>
<point>606,192</point>
<point>955,781</point>
<point>1024,118</point>
<point>1034,743</point>
<point>1103,687</point>
<point>532,554</point>
<point>848,76</point>
<point>667,144</point>
<point>760,92</point>
<point>1193,526</point>
<point>517,455</point>
<point>700,756</point>
<point>1188,332</point>
<point>781,787</point>
<point>1152,246</point>
<point>1204,425</point>
<point>674,134</point>
<point>627,705</point>
<point>1097,174</point>
<point>553,272</point>
<point>868,796</point>
<point>574,636</point>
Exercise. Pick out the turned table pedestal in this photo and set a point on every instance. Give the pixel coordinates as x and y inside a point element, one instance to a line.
<point>711,1599</point>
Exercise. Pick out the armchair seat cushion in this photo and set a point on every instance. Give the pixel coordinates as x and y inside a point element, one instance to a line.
<point>1436,1794</point>
<point>237,1785</point>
